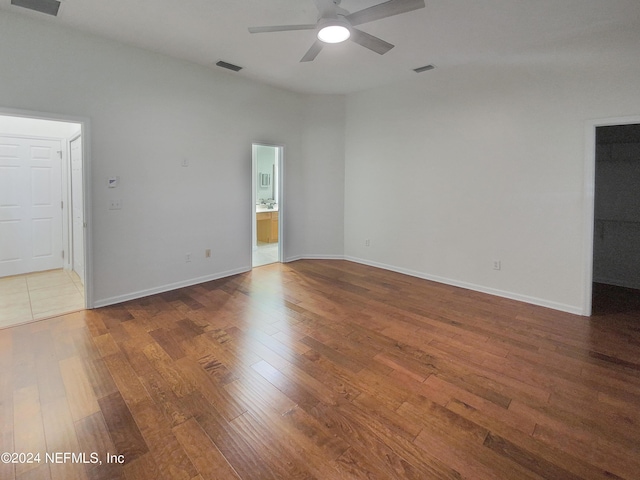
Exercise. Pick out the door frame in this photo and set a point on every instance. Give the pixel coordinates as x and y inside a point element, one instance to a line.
<point>280,200</point>
<point>589,200</point>
<point>85,129</point>
<point>70,230</point>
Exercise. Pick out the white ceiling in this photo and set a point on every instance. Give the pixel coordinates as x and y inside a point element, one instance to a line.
<point>446,33</point>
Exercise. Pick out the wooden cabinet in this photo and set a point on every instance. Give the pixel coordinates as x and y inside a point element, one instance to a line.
<point>267,226</point>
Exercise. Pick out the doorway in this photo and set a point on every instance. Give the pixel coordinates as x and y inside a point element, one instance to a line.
<point>615,261</point>
<point>267,205</point>
<point>42,229</point>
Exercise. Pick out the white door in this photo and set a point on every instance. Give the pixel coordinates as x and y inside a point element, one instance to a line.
<point>77,221</point>
<point>30,205</point>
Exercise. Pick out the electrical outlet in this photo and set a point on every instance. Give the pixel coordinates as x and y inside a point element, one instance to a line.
<point>207,253</point>
<point>187,257</point>
<point>497,264</point>
<point>115,204</point>
<point>367,243</point>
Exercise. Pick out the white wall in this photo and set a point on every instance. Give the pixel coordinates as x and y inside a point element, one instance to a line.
<point>321,179</point>
<point>486,162</point>
<point>11,125</point>
<point>149,112</point>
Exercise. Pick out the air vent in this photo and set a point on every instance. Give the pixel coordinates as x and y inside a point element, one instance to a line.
<point>50,7</point>
<point>426,68</point>
<point>229,66</point>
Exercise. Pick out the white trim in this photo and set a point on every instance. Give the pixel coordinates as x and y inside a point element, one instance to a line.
<point>472,286</point>
<point>314,257</point>
<point>588,200</point>
<point>282,205</point>
<point>167,288</point>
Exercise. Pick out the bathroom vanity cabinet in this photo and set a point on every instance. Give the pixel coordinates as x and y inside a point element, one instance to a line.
<point>267,226</point>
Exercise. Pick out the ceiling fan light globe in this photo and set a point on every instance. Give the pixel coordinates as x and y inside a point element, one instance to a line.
<point>334,34</point>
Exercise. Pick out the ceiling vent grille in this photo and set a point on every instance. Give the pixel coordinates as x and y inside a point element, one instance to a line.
<point>426,68</point>
<point>50,7</point>
<point>229,66</point>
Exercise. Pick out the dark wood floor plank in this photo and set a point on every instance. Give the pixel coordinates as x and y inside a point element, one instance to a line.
<point>143,468</point>
<point>391,455</point>
<point>327,369</point>
<point>618,460</point>
<point>165,399</point>
<point>200,381</point>
<point>173,463</point>
<point>126,379</point>
<point>244,459</point>
<point>297,432</point>
<point>165,366</point>
<point>99,377</point>
<point>122,427</point>
<point>283,463</point>
<point>93,439</point>
<point>168,343</point>
<point>205,456</point>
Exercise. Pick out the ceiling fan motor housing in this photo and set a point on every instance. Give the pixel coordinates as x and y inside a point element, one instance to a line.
<point>334,30</point>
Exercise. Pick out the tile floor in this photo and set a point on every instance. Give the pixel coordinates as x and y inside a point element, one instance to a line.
<point>265,253</point>
<point>34,296</point>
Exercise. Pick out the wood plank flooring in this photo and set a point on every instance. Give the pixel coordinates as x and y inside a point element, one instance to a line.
<point>324,370</point>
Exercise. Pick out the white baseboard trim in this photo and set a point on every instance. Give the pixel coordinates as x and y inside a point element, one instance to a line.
<point>314,257</point>
<point>166,288</point>
<point>413,273</point>
<point>472,286</point>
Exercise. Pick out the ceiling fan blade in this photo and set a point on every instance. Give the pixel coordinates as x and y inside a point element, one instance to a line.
<point>281,28</point>
<point>369,41</point>
<point>313,52</point>
<point>384,10</point>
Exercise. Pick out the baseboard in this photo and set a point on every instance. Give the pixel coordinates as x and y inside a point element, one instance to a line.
<point>472,286</point>
<point>314,257</point>
<point>413,273</point>
<point>166,288</point>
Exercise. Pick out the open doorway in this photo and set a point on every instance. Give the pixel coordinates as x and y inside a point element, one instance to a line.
<point>616,219</point>
<point>266,204</point>
<point>42,223</point>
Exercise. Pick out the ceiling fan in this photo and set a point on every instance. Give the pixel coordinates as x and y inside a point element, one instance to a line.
<point>336,25</point>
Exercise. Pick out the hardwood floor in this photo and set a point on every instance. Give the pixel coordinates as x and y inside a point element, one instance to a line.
<point>327,370</point>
